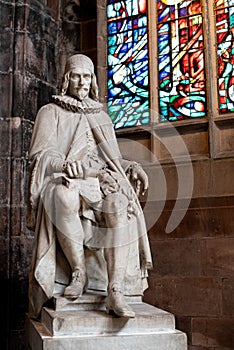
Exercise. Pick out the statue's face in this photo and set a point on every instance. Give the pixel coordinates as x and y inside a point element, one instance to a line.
<point>79,84</point>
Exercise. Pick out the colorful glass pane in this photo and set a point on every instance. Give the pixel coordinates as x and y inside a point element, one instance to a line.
<point>225,53</point>
<point>128,92</point>
<point>182,91</point>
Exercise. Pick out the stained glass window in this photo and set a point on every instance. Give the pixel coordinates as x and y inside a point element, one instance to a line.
<point>225,53</point>
<point>128,91</point>
<point>182,91</point>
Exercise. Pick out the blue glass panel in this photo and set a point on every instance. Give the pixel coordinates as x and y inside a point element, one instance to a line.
<point>128,92</point>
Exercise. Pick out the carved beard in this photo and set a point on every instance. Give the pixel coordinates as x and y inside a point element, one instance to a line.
<point>80,92</point>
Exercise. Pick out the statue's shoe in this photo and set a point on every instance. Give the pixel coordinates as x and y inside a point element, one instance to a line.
<point>116,304</point>
<point>77,286</point>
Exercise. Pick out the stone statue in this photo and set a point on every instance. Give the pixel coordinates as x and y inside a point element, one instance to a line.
<point>83,201</point>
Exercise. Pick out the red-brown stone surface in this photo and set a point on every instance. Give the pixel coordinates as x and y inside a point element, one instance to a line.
<point>213,332</point>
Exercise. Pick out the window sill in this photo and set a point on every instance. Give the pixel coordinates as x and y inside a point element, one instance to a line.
<point>224,120</point>
<point>183,126</point>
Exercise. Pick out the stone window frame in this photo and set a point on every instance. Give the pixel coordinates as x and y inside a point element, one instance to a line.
<point>205,138</point>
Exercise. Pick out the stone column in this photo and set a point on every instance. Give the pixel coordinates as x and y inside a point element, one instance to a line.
<point>29,32</point>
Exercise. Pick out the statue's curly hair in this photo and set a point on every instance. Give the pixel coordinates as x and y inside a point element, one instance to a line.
<point>93,90</point>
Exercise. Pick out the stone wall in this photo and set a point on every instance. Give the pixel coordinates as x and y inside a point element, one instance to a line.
<point>193,265</point>
<point>28,73</point>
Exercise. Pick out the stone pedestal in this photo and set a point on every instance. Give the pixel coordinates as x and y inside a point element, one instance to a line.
<point>83,324</point>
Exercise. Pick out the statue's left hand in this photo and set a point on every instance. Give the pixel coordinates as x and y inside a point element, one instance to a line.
<point>139,176</point>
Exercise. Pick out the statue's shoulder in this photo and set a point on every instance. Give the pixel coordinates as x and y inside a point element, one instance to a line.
<point>47,109</point>
<point>104,115</point>
<point>100,119</point>
<point>48,115</point>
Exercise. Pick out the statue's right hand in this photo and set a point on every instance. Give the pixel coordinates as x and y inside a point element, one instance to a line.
<point>74,169</point>
<point>79,170</point>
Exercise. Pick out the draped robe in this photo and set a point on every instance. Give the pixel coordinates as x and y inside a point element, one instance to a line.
<point>59,134</point>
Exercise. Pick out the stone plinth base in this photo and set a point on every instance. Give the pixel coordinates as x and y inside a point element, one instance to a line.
<point>79,326</point>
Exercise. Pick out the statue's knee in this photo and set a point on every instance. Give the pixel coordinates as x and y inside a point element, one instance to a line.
<point>66,199</point>
<point>115,203</point>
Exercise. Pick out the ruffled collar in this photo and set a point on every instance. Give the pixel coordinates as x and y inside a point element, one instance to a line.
<point>71,104</point>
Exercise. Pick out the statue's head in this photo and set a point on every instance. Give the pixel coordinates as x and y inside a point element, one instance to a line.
<point>79,80</point>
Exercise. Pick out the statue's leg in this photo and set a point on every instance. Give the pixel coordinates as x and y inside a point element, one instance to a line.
<point>117,252</point>
<point>71,236</point>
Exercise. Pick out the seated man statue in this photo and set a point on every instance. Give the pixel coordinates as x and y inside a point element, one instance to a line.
<point>83,200</point>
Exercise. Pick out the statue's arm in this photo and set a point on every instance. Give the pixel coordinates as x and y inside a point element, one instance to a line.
<point>44,140</point>
<point>133,170</point>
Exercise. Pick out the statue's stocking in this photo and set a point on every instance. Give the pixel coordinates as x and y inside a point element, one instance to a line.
<point>117,253</point>
<point>71,238</point>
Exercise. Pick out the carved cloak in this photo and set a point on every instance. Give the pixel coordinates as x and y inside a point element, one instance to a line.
<point>53,138</point>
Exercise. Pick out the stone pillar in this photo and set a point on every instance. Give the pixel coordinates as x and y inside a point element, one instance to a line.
<point>29,33</point>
